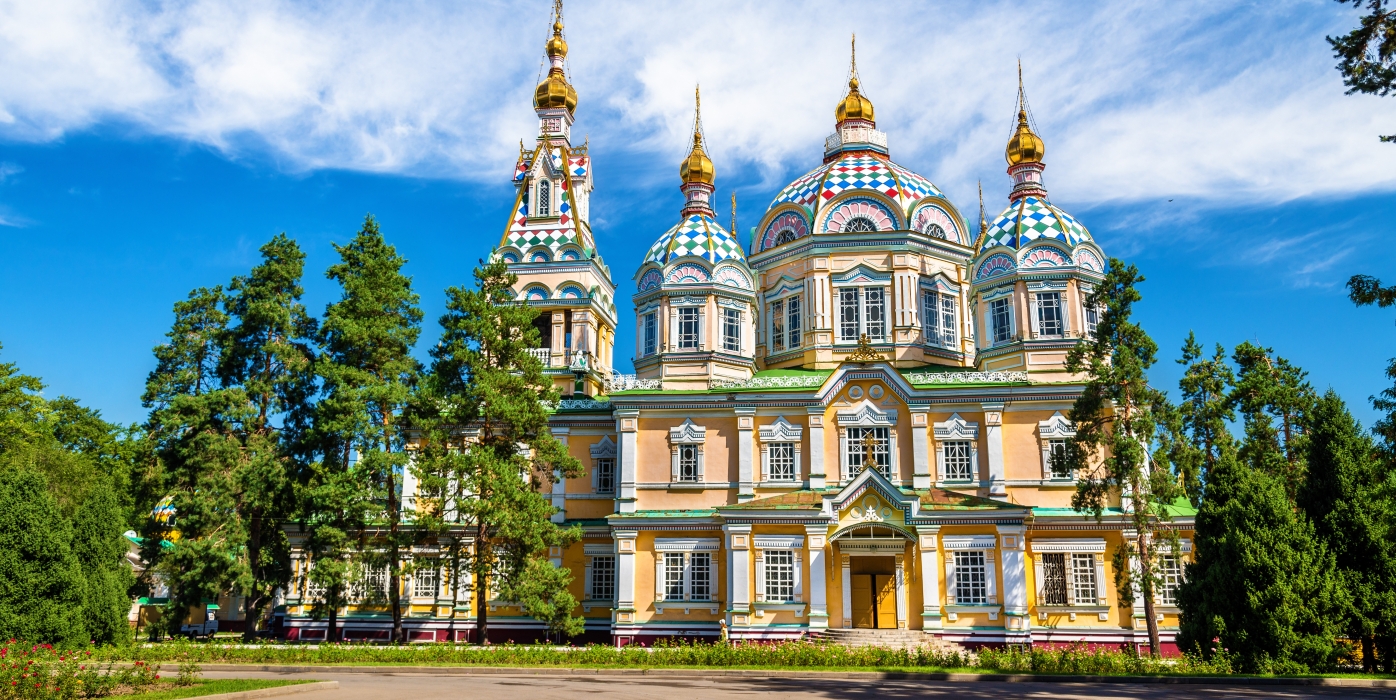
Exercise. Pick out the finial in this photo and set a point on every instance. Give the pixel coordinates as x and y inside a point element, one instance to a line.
<point>697,115</point>
<point>983,222</point>
<point>734,213</point>
<point>853,62</point>
<point>864,352</point>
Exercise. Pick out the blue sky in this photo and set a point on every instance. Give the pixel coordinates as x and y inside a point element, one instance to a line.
<point>147,149</point>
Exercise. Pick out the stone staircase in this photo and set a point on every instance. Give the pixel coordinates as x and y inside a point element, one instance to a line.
<point>889,639</point>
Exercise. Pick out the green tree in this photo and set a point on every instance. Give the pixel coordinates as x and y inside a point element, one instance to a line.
<point>41,583</point>
<point>1365,291</point>
<point>486,379</point>
<point>1352,512</point>
<point>267,355</point>
<point>368,373</point>
<point>1205,411</point>
<point>1118,419</point>
<point>1367,54</point>
<point>1275,400</point>
<point>1262,585</point>
<point>100,550</point>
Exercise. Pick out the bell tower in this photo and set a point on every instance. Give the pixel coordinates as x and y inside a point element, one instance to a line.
<point>548,240</point>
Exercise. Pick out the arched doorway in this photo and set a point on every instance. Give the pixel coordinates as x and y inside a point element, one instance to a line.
<point>874,577</point>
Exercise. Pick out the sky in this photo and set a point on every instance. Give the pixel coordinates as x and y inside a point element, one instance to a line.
<point>149,148</point>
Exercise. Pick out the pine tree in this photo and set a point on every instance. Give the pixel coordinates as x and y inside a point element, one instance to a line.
<point>485,378</point>
<point>1118,419</point>
<point>1353,515</point>
<point>1275,400</point>
<point>1205,412</point>
<point>368,372</point>
<point>266,354</point>
<point>1262,585</point>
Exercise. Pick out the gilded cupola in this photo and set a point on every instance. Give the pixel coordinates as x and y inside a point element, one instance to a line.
<point>697,166</point>
<point>854,105</point>
<point>555,91</point>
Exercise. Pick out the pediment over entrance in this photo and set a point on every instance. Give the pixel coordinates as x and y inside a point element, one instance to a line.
<point>870,497</point>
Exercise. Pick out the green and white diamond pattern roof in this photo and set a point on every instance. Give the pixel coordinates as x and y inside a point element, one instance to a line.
<point>1029,219</point>
<point>696,236</point>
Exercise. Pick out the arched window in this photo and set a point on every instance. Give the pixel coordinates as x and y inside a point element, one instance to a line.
<point>544,198</point>
<point>859,224</point>
<point>935,231</point>
<point>785,236</point>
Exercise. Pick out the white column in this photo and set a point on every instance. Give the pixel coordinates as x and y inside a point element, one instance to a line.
<point>746,422</point>
<point>559,483</point>
<point>738,570</point>
<point>627,422</point>
<point>847,592</point>
<point>1013,554</point>
<point>920,448</point>
<point>993,435</point>
<point>817,477</point>
<point>901,591</point>
<point>818,578</point>
<point>930,576</point>
<point>625,575</point>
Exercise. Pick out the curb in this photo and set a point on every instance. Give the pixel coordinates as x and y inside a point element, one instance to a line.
<point>805,675</point>
<point>273,692</point>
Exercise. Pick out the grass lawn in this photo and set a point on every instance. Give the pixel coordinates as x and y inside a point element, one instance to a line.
<point>169,691</point>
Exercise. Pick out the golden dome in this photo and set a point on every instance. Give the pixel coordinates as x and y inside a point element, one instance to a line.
<point>854,106</point>
<point>697,167</point>
<point>1024,146</point>
<point>555,91</point>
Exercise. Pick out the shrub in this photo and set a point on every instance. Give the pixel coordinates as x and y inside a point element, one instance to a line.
<point>33,671</point>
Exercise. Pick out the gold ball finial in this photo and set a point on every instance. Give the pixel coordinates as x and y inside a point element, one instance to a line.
<point>697,167</point>
<point>854,105</point>
<point>555,91</point>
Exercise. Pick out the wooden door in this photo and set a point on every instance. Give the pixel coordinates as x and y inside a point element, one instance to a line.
<point>885,588</point>
<point>863,613</point>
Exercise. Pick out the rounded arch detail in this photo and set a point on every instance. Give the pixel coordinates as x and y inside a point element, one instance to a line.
<point>866,212</point>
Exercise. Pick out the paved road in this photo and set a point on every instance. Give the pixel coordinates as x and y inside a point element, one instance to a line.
<point>390,686</point>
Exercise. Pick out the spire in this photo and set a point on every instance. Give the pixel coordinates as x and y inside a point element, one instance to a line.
<point>733,229</point>
<point>983,221</point>
<point>1024,146</point>
<point>853,105</point>
<point>555,91</point>
<point>697,167</point>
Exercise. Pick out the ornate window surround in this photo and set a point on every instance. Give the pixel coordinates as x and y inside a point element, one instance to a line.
<point>689,433</point>
<point>1069,546</point>
<point>791,543</point>
<point>968,543</point>
<point>687,547</point>
<point>867,415</point>
<point>605,448</point>
<point>592,552</point>
<point>779,431</point>
<point>1035,288</point>
<point>955,428</point>
<point>1055,428</point>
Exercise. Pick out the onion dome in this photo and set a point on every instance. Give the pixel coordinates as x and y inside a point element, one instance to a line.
<point>697,167</point>
<point>1024,146</point>
<point>555,91</point>
<point>854,105</point>
<point>695,236</point>
<point>1029,219</point>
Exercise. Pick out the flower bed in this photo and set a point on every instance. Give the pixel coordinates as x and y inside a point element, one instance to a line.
<point>42,671</point>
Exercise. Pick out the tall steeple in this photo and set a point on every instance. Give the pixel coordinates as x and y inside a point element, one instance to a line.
<point>854,126</point>
<point>696,170</point>
<point>555,99</point>
<point>853,106</point>
<point>1024,151</point>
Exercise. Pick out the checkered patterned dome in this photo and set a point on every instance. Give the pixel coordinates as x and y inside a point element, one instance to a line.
<point>856,171</point>
<point>1029,219</point>
<point>696,236</point>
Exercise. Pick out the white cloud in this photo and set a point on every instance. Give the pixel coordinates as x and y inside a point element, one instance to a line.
<point>1202,100</point>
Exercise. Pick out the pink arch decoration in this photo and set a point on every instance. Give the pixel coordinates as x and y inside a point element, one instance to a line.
<point>865,208</point>
<point>788,221</point>
<point>687,273</point>
<point>1045,256</point>
<point>997,264</point>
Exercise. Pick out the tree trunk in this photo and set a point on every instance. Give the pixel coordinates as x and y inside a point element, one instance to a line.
<point>1369,655</point>
<point>395,582</point>
<point>332,634</point>
<point>481,562</point>
<point>254,565</point>
<point>1146,587</point>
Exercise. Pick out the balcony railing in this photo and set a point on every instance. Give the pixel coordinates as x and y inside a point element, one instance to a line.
<point>544,355</point>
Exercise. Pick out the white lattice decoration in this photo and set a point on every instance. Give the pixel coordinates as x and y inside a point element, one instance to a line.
<point>965,377</point>
<point>625,382</point>
<point>791,382</point>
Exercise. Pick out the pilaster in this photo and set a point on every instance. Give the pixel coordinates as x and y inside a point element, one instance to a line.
<point>625,575</point>
<point>738,573</point>
<point>560,484</point>
<point>926,544</point>
<point>920,448</point>
<point>817,477</point>
<point>627,424</point>
<point>1013,552</point>
<point>746,423</point>
<point>993,437</point>
<point>846,565</point>
<point>818,578</point>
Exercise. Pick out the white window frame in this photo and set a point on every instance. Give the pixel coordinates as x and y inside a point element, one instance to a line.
<point>777,329</point>
<point>866,415</point>
<point>1058,427</point>
<point>599,554</point>
<point>649,333</point>
<point>688,435</point>
<point>1076,551</point>
<point>794,328</point>
<point>859,293</point>
<point>732,329</point>
<point>604,449</point>
<point>995,338</point>
<point>544,187</point>
<point>793,545</point>
<point>1036,290</point>
<point>1170,580</point>
<point>683,552</point>
<point>987,544</point>
<point>426,575</point>
<point>956,429</point>
<point>781,432</point>
<point>686,340</point>
<point>940,316</point>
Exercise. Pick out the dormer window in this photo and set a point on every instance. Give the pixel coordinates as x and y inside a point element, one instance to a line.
<point>545,196</point>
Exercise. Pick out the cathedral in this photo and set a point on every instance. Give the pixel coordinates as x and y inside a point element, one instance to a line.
<point>848,422</point>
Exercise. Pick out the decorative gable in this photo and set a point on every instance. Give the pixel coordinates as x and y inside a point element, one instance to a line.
<point>1056,427</point>
<point>781,431</point>
<point>687,434</point>
<point>956,428</point>
<point>867,414</point>
<point>603,449</point>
